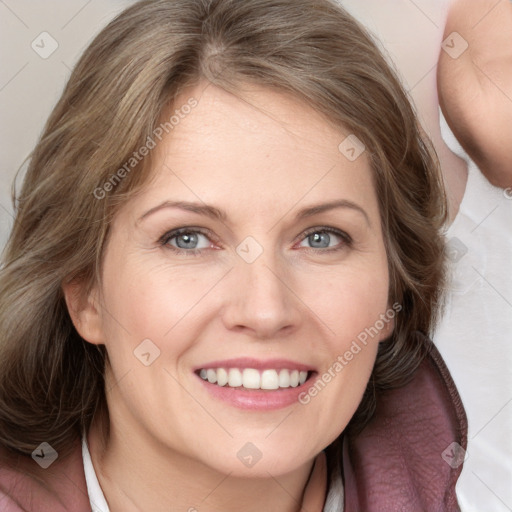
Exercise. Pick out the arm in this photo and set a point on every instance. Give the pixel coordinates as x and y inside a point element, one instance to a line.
<point>475,89</point>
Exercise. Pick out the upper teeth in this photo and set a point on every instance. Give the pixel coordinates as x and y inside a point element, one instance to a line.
<point>250,378</point>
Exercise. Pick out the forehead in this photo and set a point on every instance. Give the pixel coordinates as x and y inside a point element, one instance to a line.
<point>257,149</point>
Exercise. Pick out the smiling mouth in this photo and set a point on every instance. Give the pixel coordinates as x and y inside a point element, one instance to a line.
<point>252,379</point>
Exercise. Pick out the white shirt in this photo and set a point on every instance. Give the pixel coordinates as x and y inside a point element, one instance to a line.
<point>96,497</point>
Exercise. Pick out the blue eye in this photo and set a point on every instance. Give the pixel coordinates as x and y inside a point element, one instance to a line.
<point>321,238</point>
<point>185,240</point>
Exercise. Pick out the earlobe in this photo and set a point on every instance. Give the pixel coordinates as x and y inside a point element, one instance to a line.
<point>389,325</point>
<point>84,310</point>
<point>388,330</point>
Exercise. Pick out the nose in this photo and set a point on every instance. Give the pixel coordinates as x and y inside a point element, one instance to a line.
<point>260,300</point>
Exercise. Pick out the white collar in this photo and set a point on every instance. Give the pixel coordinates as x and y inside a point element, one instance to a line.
<point>96,497</point>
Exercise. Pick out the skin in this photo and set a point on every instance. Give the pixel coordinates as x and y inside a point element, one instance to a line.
<point>260,160</point>
<point>475,89</point>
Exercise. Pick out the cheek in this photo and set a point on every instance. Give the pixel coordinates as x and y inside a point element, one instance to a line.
<point>148,301</point>
<point>351,307</point>
<point>350,302</point>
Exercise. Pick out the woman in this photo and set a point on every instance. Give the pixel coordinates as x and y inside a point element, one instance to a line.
<point>228,241</point>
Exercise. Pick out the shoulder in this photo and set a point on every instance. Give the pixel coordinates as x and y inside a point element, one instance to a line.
<point>27,486</point>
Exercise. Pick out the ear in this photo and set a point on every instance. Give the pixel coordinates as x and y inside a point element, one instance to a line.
<point>389,323</point>
<point>84,309</point>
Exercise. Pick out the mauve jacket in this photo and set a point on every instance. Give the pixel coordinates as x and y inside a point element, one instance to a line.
<point>407,459</point>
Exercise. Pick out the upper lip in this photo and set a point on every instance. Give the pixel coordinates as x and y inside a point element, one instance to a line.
<point>257,364</point>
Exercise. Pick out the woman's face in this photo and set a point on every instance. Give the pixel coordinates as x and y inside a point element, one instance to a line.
<point>232,266</point>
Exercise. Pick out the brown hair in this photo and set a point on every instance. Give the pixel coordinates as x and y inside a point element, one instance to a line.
<point>51,380</point>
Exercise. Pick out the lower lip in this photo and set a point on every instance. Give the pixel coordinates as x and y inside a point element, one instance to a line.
<point>257,399</point>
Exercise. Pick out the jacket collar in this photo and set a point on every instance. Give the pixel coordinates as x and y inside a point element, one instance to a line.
<point>410,455</point>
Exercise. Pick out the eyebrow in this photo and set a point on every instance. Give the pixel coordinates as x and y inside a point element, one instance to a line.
<point>218,214</point>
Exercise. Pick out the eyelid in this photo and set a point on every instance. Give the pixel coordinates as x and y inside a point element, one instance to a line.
<point>186,229</point>
<point>327,229</point>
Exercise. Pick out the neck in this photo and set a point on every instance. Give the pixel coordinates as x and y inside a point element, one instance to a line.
<point>137,474</point>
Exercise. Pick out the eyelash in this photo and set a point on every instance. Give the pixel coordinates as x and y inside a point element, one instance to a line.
<point>167,237</point>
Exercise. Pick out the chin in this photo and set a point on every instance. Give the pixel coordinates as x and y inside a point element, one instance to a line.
<point>261,458</point>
